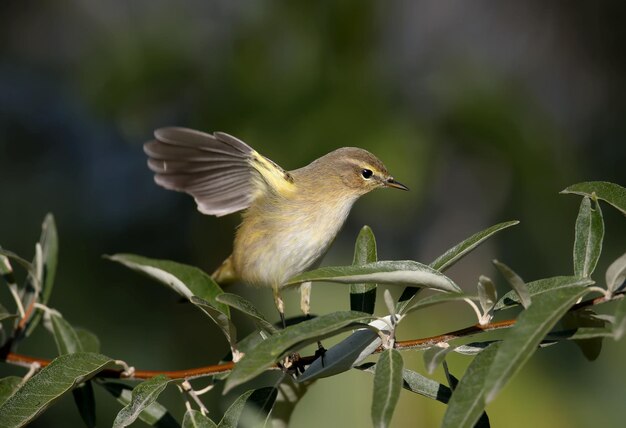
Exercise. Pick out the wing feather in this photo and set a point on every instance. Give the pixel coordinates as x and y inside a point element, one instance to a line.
<point>220,171</point>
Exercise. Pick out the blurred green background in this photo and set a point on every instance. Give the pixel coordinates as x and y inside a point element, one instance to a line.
<point>486,110</point>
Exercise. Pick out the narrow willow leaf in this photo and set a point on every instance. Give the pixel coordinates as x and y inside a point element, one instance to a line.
<point>387,386</point>
<point>483,420</point>
<point>405,272</point>
<point>231,417</point>
<point>88,340</point>
<point>461,249</point>
<point>143,395</point>
<point>62,375</point>
<point>538,287</point>
<point>195,419</point>
<point>65,336</point>
<point>581,333</point>
<point>588,240</point>
<point>291,338</point>
<point>154,415</point>
<point>363,295</point>
<point>487,294</point>
<point>474,348</point>
<point>612,193</point>
<point>619,325</point>
<point>184,279</point>
<point>5,315</point>
<point>219,318</point>
<point>6,267</point>
<point>435,355</point>
<point>521,341</point>
<point>245,306</point>
<point>389,303</point>
<point>349,352</point>
<point>468,400</point>
<point>436,299</point>
<point>251,341</point>
<point>516,282</point>
<point>616,274</point>
<point>252,408</point>
<point>8,386</point>
<point>584,319</point>
<point>417,383</point>
<point>452,256</point>
<point>86,403</point>
<point>49,241</point>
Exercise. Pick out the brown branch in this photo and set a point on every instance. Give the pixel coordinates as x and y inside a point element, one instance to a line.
<point>25,360</point>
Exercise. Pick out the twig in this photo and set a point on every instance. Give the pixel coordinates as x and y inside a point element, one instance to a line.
<point>27,361</point>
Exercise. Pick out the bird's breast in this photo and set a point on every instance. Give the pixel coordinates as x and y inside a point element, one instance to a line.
<point>280,239</point>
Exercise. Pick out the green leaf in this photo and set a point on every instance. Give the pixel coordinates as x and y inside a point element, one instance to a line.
<point>619,325</point>
<point>461,249</point>
<point>387,385</point>
<point>422,385</point>
<point>88,341</point>
<point>291,338</point>
<point>585,319</point>
<point>5,266</point>
<point>219,318</point>
<point>609,192</point>
<point>231,417</point>
<point>245,306</point>
<point>417,383</point>
<point>538,287</point>
<point>468,400</point>
<point>143,395</point>
<point>435,355</point>
<point>62,375</point>
<point>436,299</point>
<point>155,414</point>
<point>49,242</point>
<point>588,240</point>
<point>8,386</point>
<point>184,279</point>
<point>86,403</point>
<point>487,294</point>
<point>65,336</point>
<point>250,409</point>
<point>616,274</point>
<point>483,421</point>
<point>521,341</point>
<point>386,272</point>
<point>580,333</point>
<point>452,256</point>
<point>516,282</point>
<point>195,419</point>
<point>474,348</point>
<point>349,352</point>
<point>5,315</point>
<point>363,295</point>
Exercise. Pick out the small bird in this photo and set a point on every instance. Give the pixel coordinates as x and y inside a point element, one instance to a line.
<point>290,218</point>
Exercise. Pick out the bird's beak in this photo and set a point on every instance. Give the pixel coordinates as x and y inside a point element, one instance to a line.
<point>390,182</point>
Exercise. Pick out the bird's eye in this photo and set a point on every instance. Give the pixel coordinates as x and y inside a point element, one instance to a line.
<point>366,173</point>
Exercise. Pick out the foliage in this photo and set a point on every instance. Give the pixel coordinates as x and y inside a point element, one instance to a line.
<point>542,304</point>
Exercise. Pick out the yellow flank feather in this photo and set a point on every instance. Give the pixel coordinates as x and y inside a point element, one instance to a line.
<point>273,175</point>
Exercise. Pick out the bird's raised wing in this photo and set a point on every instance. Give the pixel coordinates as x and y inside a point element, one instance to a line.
<point>221,172</point>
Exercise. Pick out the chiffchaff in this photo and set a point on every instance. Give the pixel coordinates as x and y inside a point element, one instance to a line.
<point>290,217</point>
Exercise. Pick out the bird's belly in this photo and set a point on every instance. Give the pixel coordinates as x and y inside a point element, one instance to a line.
<point>271,258</point>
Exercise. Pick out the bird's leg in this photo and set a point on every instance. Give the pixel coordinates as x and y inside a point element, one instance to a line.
<point>305,306</point>
<point>279,305</point>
